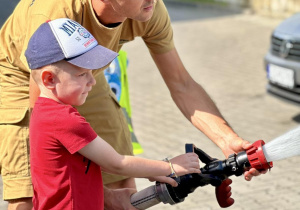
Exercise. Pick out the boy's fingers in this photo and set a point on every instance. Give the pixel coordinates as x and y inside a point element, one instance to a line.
<point>171,182</point>
<point>197,171</point>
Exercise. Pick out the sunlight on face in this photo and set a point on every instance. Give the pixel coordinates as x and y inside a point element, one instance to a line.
<point>73,83</point>
<point>140,10</point>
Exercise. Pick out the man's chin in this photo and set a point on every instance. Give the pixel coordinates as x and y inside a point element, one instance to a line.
<point>145,19</point>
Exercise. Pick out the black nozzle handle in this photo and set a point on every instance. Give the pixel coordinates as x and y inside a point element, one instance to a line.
<point>205,158</point>
<point>189,148</point>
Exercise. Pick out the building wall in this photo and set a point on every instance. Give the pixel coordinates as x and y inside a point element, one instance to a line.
<point>272,8</point>
<point>275,8</point>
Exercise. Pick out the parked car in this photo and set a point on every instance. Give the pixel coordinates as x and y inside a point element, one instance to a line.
<point>282,62</point>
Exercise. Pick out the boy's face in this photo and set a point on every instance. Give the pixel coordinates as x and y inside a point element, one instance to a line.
<point>73,83</point>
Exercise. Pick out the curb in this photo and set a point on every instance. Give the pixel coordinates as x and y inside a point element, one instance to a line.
<point>193,4</point>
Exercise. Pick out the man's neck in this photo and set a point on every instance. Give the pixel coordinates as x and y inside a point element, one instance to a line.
<point>106,14</point>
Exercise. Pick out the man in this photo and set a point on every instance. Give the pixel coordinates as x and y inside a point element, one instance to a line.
<point>112,23</point>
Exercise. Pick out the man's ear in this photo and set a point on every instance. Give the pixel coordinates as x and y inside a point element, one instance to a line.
<point>49,79</point>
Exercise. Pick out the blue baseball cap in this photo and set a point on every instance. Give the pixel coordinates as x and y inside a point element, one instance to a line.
<point>65,39</point>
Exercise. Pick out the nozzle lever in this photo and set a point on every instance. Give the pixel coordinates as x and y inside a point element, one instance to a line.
<point>205,158</point>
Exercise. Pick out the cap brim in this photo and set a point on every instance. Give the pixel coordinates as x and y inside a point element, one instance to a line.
<point>96,58</point>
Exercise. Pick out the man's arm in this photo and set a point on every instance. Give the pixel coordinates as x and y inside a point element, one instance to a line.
<point>197,106</point>
<point>118,199</point>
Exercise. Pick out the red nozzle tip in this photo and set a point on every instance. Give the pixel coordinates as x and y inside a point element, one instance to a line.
<point>257,157</point>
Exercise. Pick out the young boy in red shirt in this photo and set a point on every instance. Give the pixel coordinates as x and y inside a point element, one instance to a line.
<point>65,152</point>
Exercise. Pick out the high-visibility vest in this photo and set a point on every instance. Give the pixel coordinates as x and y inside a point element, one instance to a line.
<point>116,76</point>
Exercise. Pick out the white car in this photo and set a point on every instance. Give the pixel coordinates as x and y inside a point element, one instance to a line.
<point>282,61</point>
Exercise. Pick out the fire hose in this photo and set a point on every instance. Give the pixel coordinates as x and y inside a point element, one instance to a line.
<point>215,173</point>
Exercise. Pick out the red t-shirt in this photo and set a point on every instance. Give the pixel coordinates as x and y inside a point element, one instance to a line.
<point>62,178</point>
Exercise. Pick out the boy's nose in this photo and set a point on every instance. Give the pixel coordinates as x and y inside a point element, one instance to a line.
<point>92,81</point>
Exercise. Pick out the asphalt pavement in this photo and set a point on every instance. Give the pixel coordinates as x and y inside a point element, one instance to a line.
<point>223,50</point>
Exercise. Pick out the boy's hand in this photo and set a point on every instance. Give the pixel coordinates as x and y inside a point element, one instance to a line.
<point>183,164</point>
<point>164,179</point>
<point>186,164</point>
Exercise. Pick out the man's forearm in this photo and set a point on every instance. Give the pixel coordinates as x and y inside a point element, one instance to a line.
<point>194,102</point>
<point>199,108</point>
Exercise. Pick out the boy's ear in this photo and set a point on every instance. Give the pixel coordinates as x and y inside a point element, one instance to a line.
<point>48,79</point>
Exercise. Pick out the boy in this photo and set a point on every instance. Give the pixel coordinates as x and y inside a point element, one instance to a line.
<point>65,152</point>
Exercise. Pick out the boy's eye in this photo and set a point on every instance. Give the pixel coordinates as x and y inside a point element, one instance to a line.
<point>83,74</point>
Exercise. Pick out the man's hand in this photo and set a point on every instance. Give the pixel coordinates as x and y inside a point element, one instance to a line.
<point>118,199</point>
<point>237,145</point>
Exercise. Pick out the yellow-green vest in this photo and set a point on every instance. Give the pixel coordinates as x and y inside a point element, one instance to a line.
<point>116,76</point>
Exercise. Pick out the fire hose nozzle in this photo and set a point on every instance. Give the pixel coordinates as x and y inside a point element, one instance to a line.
<point>256,156</point>
<point>215,173</point>
<point>253,157</point>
